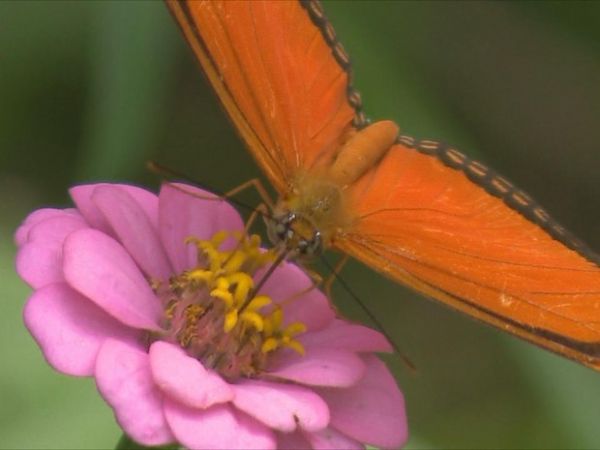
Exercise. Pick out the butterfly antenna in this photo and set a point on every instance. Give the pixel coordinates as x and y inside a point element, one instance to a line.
<point>372,318</point>
<point>172,174</point>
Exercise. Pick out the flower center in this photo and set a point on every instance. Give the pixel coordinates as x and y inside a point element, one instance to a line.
<point>214,313</point>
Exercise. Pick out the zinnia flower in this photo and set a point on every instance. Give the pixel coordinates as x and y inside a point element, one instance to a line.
<point>157,299</point>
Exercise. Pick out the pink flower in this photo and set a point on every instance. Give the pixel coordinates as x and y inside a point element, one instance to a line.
<point>154,297</point>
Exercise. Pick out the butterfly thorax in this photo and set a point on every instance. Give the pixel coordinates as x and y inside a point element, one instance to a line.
<point>306,218</point>
<point>315,209</point>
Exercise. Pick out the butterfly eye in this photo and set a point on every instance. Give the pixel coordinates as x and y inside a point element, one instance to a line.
<point>279,228</point>
<point>288,219</point>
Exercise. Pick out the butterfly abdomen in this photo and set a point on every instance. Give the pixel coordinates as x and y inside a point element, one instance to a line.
<point>362,152</point>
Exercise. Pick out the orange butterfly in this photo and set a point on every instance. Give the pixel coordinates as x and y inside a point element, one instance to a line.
<point>418,211</point>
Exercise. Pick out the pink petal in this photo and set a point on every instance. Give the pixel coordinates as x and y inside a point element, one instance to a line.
<point>134,229</point>
<point>282,406</point>
<point>319,367</point>
<point>124,380</point>
<point>310,308</point>
<point>292,441</point>
<point>40,261</point>
<point>70,329</point>
<point>99,268</point>
<point>218,427</point>
<point>82,196</point>
<point>348,336</point>
<point>38,216</point>
<point>372,411</point>
<point>184,213</point>
<point>185,379</point>
<point>331,439</point>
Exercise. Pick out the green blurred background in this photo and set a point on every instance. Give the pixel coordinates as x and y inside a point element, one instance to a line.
<point>91,90</point>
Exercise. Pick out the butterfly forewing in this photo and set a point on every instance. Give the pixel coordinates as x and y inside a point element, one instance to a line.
<point>276,76</point>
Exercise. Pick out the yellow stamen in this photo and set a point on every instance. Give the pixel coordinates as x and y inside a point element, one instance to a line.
<point>200,275</point>
<point>258,302</point>
<point>215,258</point>
<point>244,283</point>
<point>235,261</point>
<point>295,328</point>
<point>268,329</point>
<point>253,241</point>
<point>254,319</point>
<point>221,294</point>
<point>296,346</point>
<point>231,320</point>
<point>223,283</point>
<point>219,237</point>
<point>269,345</point>
<point>277,317</point>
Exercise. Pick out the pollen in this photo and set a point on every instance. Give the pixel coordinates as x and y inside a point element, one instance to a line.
<point>213,311</point>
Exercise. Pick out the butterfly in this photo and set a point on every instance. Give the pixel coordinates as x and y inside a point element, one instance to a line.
<point>419,211</point>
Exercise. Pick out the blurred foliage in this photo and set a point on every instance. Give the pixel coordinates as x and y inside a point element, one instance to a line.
<point>92,90</point>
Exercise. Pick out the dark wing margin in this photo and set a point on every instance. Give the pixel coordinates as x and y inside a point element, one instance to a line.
<point>318,17</point>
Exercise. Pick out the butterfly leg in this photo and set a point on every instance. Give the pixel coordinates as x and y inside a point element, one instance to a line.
<point>334,274</point>
<point>261,210</point>
<point>255,182</point>
<point>260,189</point>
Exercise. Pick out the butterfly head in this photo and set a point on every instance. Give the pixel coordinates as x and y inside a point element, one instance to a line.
<point>305,220</point>
<point>296,233</point>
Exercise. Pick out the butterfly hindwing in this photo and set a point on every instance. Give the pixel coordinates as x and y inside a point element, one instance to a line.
<point>426,224</point>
